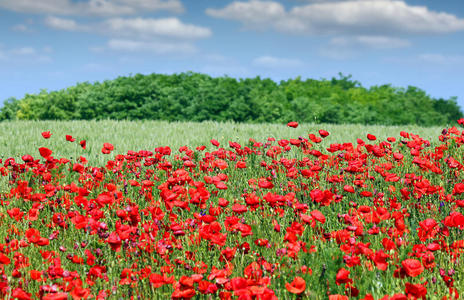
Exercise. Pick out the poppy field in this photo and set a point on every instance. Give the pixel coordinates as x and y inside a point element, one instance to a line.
<point>278,217</point>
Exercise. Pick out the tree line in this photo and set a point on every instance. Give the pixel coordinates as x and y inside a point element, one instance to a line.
<point>198,97</point>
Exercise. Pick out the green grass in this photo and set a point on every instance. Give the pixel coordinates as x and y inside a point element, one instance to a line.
<point>19,138</point>
<point>24,137</point>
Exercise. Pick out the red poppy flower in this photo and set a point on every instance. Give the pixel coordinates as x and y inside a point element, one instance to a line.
<point>156,280</point>
<point>338,297</point>
<point>412,267</point>
<point>398,156</point>
<point>292,124</point>
<point>214,142</point>
<point>238,283</point>
<point>27,158</point>
<point>297,286</point>
<point>323,133</point>
<point>404,134</point>
<point>265,184</point>
<point>15,213</point>
<point>107,148</point>
<point>115,241</point>
<point>32,235</point>
<point>415,290</point>
<point>223,202</point>
<point>348,188</point>
<point>183,294</point>
<point>45,152</point>
<point>366,194</point>
<point>4,260</point>
<point>220,185</point>
<point>240,164</point>
<point>428,224</point>
<point>56,296</point>
<point>276,225</point>
<point>219,163</point>
<point>317,215</point>
<point>380,260</point>
<point>83,144</point>
<point>20,294</point>
<point>458,188</point>
<point>371,137</point>
<point>69,138</point>
<point>35,275</point>
<point>46,134</point>
<point>342,276</point>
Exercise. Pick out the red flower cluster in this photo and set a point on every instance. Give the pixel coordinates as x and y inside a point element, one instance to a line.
<point>264,220</point>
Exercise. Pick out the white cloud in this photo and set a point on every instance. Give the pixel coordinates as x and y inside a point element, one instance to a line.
<point>253,13</point>
<point>135,28</point>
<point>24,55</point>
<point>63,24</point>
<point>442,59</point>
<point>382,42</point>
<point>276,62</point>
<point>160,36</point>
<point>147,27</point>
<point>32,6</point>
<point>91,7</point>
<point>150,5</point>
<point>376,42</point>
<point>348,47</point>
<point>366,17</point>
<point>160,47</point>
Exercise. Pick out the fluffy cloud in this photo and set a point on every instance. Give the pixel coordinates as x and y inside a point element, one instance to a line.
<point>63,24</point>
<point>253,13</point>
<point>91,7</point>
<point>160,47</point>
<point>145,28</point>
<point>366,17</point>
<point>276,62</point>
<point>152,5</point>
<point>160,36</point>
<point>166,27</point>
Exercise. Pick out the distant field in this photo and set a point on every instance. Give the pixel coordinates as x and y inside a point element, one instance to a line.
<point>24,137</point>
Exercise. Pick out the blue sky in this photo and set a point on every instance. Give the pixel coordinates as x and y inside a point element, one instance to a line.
<point>52,44</point>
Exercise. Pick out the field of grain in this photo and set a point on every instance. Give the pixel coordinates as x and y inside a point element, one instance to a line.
<point>24,137</point>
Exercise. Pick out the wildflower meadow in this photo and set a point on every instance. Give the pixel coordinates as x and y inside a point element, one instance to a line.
<point>307,212</point>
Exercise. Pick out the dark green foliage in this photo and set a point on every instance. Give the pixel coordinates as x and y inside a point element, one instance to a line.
<point>9,109</point>
<point>199,97</point>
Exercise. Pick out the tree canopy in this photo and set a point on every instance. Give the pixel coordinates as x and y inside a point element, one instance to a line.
<point>198,97</point>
